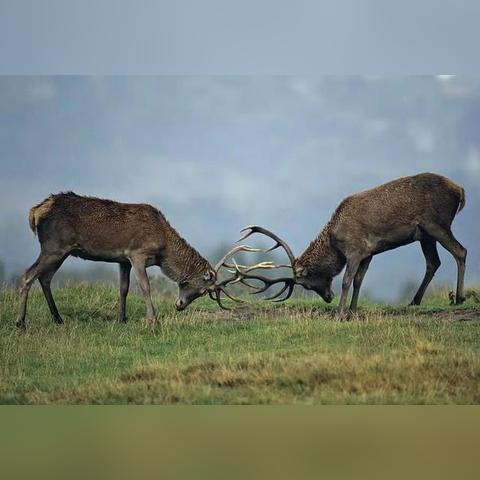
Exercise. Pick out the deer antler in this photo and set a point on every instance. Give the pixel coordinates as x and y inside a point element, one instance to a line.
<point>242,271</point>
<point>219,288</point>
<point>279,242</point>
<point>230,253</point>
<point>242,275</point>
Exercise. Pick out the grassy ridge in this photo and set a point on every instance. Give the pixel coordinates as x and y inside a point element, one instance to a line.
<point>261,353</point>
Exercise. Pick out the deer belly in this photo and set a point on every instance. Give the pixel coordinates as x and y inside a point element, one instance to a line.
<point>99,255</point>
<point>394,239</point>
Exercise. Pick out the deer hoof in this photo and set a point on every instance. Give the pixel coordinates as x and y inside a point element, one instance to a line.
<point>152,322</point>
<point>459,300</point>
<point>21,325</point>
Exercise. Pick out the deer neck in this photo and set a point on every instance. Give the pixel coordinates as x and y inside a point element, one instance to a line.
<point>181,261</point>
<point>321,256</point>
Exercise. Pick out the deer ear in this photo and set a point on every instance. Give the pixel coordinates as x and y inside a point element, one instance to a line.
<point>301,271</point>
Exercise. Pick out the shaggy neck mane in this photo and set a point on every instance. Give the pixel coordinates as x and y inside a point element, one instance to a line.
<point>320,256</point>
<point>181,262</point>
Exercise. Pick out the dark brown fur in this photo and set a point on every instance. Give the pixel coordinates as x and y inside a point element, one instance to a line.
<point>132,235</point>
<point>418,208</point>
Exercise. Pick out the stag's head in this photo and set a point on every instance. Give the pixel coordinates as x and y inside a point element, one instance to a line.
<point>206,281</point>
<point>317,281</point>
<point>303,275</point>
<point>194,287</point>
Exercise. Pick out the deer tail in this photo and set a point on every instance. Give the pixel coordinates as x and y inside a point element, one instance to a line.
<point>37,212</point>
<point>31,220</point>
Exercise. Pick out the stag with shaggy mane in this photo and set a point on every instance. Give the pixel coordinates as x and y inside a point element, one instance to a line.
<point>133,235</point>
<point>417,208</point>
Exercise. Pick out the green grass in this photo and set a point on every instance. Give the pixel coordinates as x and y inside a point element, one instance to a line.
<point>262,353</point>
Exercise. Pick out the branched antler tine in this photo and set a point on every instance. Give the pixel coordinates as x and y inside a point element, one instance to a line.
<point>279,242</point>
<point>273,247</point>
<point>288,295</point>
<point>248,268</point>
<point>226,265</point>
<point>242,280</point>
<point>225,282</point>
<point>231,297</point>
<point>235,278</point>
<point>267,283</point>
<point>260,289</point>
<point>236,266</point>
<point>264,265</point>
<point>258,265</point>
<point>222,306</point>
<point>241,275</point>
<point>233,251</point>
<point>218,300</point>
<point>278,294</point>
<point>270,282</point>
<point>246,235</point>
<point>242,269</point>
<point>220,286</point>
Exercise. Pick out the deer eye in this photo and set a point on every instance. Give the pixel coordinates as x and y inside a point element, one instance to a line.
<point>207,276</point>
<point>183,284</point>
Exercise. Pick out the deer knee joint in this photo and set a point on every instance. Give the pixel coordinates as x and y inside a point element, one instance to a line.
<point>433,266</point>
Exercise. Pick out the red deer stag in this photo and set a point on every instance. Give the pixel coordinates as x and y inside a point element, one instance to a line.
<point>421,207</point>
<point>132,235</point>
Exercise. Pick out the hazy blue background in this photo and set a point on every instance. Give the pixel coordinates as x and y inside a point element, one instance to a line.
<point>239,37</point>
<point>216,153</point>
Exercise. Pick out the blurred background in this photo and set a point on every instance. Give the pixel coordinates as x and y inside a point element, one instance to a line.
<point>217,153</point>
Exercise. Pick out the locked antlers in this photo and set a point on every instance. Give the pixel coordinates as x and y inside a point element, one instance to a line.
<point>241,273</point>
<point>219,288</point>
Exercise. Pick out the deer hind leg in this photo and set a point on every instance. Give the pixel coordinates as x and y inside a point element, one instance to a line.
<point>445,236</point>
<point>138,264</point>
<point>429,249</point>
<point>45,279</point>
<point>124,286</point>
<point>42,265</point>
<point>357,281</point>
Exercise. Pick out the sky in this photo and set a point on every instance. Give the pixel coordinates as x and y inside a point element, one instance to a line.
<point>228,36</point>
<point>215,153</point>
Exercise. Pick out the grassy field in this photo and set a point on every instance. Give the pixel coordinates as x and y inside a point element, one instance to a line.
<point>261,353</point>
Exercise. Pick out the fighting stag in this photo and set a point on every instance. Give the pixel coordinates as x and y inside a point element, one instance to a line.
<point>132,235</point>
<point>418,208</point>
